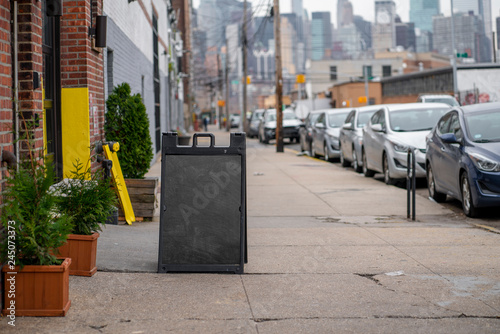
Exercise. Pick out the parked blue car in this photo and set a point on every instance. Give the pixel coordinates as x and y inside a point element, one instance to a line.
<point>463,157</point>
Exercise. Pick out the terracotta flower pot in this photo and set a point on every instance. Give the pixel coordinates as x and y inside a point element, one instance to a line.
<point>82,249</point>
<point>39,291</point>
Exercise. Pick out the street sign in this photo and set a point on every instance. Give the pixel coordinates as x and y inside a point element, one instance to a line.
<point>362,99</point>
<point>301,78</point>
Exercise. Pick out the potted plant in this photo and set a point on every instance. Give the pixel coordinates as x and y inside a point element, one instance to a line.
<point>36,283</point>
<point>127,123</point>
<point>88,199</point>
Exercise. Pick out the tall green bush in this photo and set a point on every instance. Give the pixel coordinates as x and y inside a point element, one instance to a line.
<point>33,231</point>
<point>127,123</point>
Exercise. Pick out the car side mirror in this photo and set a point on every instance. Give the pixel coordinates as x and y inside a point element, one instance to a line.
<point>377,127</point>
<point>347,126</point>
<point>319,125</point>
<point>449,138</point>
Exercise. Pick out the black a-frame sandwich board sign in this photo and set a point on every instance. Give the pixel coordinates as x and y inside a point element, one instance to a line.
<point>203,205</point>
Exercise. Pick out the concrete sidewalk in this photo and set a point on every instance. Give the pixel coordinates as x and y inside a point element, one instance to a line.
<point>329,252</point>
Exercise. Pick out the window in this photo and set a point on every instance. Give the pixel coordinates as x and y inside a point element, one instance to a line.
<point>321,119</point>
<point>333,73</point>
<point>109,70</point>
<point>386,71</point>
<point>376,117</point>
<point>350,117</point>
<point>455,127</point>
<point>444,124</point>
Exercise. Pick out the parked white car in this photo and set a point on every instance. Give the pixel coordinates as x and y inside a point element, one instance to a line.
<point>393,130</point>
<point>351,136</point>
<point>325,133</point>
<point>439,98</point>
<point>290,126</point>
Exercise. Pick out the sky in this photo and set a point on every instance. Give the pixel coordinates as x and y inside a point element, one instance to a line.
<point>365,8</point>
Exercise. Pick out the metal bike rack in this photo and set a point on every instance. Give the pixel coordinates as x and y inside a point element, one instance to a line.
<point>411,183</point>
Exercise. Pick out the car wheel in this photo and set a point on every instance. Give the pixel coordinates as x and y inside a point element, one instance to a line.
<point>325,148</point>
<point>355,163</point>
<point>343,162</point>
<point>468,206</point>
<point>387,176</point>
<point>431,185</point>
<point>367,172</point>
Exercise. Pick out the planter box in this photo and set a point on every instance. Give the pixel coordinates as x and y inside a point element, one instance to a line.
<point>40,291</point>
<point>82,249</point>
<point>142,194</point>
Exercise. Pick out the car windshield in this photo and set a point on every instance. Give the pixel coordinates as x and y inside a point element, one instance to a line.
<point>336,120</point>
<point>450,101</point>
<point>484,127</point>
<point>286,115</point>
<point>364,118</point>
<point>257,115</point>
<point>415,119</point>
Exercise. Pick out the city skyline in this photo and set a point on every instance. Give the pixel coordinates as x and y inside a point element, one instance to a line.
<point>364,8</point>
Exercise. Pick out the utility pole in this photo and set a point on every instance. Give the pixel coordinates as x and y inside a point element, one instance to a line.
<point>366,83</point>
<point>453,58</point>
<point>244,111</point>
<point>228,126</point>
<point>219,77</point>
<point>279,78</point>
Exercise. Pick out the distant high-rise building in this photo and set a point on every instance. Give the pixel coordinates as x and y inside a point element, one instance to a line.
<point>384,30</point>
<point>498,35</point>
<point>264,32</point>
<point>405,35</point>
<point>468,30</point>
<point>215,15</point>
<point>365,31</point>
<point>481,8</point>
<point>298,23</point>
<point>421,13</point>
<point>423,41</point>
<point>321,35</point>
<point>347,15</point>
<point>340,11</point>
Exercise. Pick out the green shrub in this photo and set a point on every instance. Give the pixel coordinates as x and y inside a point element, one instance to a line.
<point>127,123</point>
<point>32,230</point>
<point>87,198</point>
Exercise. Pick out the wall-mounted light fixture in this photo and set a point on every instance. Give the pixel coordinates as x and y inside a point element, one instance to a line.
<point>54,7</point>
<point>99,31</point>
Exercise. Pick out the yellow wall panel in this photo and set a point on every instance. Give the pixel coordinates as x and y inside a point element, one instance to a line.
<point>75,124</point>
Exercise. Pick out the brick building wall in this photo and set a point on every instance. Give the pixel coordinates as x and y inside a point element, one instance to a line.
<point>81,63</point>
<point>30,61</point>
<point>6,115</point>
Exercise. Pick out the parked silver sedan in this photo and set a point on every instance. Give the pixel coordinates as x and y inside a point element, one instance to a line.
<point>325,133</point>
<point>351,136</point>
<point>392,131</point>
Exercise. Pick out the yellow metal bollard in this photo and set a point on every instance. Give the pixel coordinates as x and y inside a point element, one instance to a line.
<point>116,172</point>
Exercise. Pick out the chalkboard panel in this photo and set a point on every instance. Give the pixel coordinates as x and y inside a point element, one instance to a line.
<point>202,223</point>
